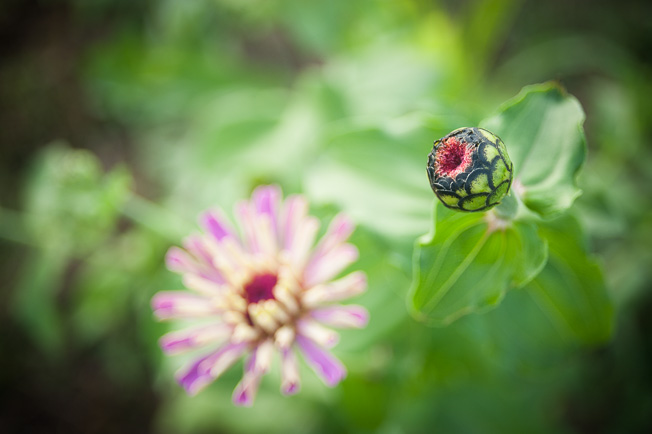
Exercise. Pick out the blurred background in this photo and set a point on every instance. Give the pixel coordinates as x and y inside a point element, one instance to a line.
<point>121,120</point>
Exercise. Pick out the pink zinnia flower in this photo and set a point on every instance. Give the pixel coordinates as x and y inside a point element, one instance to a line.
<point>263,292</point>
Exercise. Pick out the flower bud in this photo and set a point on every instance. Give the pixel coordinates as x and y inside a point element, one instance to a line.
<point>469,170</point>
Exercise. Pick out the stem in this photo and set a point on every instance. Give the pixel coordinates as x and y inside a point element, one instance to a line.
<point>508,207</point>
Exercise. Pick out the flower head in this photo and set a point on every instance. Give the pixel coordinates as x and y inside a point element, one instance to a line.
<point>266,291</point>
<point>469,170</point>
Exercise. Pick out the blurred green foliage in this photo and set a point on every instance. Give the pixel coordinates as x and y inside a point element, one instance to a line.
<point>341,101</point>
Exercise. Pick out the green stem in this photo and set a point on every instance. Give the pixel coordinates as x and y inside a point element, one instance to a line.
<point>34,302</point>
<point>508,207</point>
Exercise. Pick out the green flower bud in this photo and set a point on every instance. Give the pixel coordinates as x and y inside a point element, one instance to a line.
<point>469,170</point>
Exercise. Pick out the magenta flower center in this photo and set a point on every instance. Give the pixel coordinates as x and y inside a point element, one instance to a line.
<point>260,288</point>
<point>453,157</point>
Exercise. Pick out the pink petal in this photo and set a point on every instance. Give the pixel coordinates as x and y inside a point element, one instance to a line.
<point>266,201</point>
<point>303,239</point>
<point>264,354</point>
<point>195,246</point>
<point>202,285</point>
<point>338,232</point>
<point>183,340</point>
<point>290,380</point>
<point>325,365</point>
<point>178,260</point>
<point>217,224</point>
<point>351,316</point>
<point>203,371</point>
<point>246,220</point>
<point>329,265</point>
<point>265,234</point>
<point>341,289</point>
<point>245,391</point>
<point>181,304</point>
<point>316,332</point>
<point>295,210</point>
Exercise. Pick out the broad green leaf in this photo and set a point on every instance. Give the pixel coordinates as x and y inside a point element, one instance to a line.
<point>468,265</point>
<point>542,129</point>
<point>570,290</point>
<point>378,177</point>
<point>533,253</point>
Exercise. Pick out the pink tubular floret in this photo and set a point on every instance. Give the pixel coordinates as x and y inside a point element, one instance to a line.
<point>453,157</point>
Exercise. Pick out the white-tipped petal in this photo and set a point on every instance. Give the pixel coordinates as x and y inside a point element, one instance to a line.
<point>216,223</point>
<point>244,333</point>
<point>178,260</point>
<point>194,337</point>
<point>331,264</point>
<point>182,304</point>
<point>235,301</point>
<point>318,333</point>
<point>245,391</point>
<point>350,316</point>
<point>290,380</point>
<point>341,289</point>
<point>245,212</point>
<point>330,369</point>
<point>315,296</point>
<point>262,318</point>
<point>284,337</point>
<point>196,246</point>
<point>232,250</point>
<point>275,310</point>
<point>265,235</point>
<point>225,362</point>
<point>264,355</point>
<point>294,211</point>
<point>201,285</point>
<point>266,202</point>
<point>284,296</point>
<point>224,261</point>
<point>206,369</point>
<point>337,233</point>
<point>234,317</point>
<point>303,241</point>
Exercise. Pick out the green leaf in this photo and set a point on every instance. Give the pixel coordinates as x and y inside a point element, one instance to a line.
<point>542,129</point>
<point>570,290</point>
<point>34,303</point>
<point>71,204</point>
<point>533,253</point>
<point>378,177</point>
<point>469,264</point>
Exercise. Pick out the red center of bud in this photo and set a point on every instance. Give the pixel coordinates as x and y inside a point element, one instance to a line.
<point>453,157</point>
<point>260,288</point>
